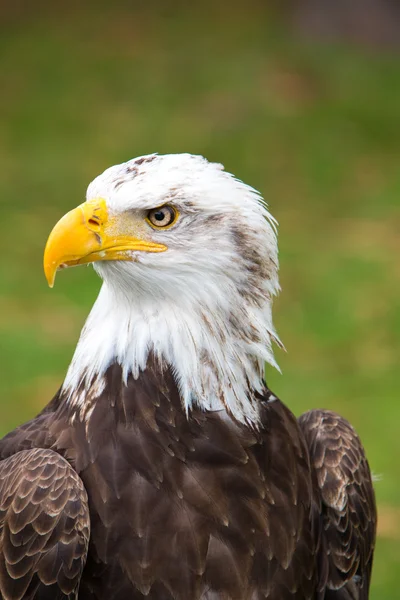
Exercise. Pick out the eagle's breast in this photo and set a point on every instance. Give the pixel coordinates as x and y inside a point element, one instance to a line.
<point>192,504</point>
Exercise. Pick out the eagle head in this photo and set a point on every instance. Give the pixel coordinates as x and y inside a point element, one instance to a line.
<point>188,256</point>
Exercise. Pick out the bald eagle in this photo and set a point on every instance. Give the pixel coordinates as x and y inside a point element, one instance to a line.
<point>164,467</point>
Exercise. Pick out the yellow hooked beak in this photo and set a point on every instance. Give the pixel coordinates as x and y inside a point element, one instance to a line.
<point>86,234</point>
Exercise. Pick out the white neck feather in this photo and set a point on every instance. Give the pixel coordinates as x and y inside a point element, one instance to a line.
<point>216,353</point>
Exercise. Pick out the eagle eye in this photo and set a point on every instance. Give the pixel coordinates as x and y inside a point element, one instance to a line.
<point>163,216</point>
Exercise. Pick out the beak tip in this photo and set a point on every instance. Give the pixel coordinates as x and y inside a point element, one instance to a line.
<point>50,275</point>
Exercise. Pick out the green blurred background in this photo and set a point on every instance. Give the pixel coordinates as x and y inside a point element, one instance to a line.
<point>307,117</point>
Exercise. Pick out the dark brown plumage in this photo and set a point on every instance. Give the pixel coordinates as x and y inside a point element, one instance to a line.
<point>185,509</point>
<point>45,525</point>
<point>348,513</point>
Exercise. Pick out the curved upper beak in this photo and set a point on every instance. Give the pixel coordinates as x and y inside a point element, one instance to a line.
<point>85,235</point>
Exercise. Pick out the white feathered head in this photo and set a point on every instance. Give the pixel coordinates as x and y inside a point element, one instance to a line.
<point>188,255</point>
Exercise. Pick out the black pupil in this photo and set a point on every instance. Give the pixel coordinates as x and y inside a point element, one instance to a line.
<point>160,215</point>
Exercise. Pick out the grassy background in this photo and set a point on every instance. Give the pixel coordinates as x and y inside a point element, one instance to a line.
<point>314,127</point>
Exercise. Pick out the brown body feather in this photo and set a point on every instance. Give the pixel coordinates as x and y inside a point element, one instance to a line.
<point>348,512</point>
<point>188,508</point>
<point>45,524</point>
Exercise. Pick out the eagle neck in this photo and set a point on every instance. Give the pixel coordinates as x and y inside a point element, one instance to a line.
<point>215,361</point>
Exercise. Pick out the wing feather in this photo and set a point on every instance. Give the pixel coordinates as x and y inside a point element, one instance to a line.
<point>344,483</point>
<point>44,526</point>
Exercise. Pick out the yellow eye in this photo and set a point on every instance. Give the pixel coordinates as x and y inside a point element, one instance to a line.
<point>163,216</point>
